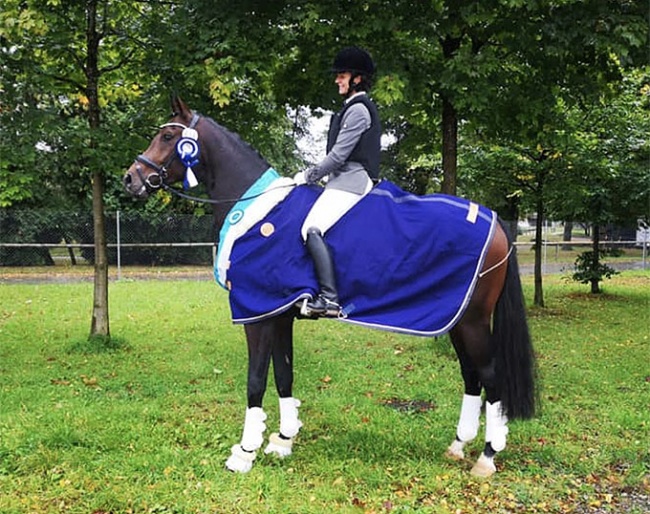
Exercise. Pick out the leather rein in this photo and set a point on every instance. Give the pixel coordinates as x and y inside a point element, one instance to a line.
<point>156,180</point>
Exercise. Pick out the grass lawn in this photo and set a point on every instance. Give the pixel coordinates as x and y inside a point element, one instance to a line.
<point>145,425</point>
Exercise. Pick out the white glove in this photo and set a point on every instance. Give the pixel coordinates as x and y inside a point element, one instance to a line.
<point>299,178</point>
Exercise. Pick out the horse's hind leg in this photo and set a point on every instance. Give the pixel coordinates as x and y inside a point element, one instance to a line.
<point>470,410</point>
<point>474,344</point>
<point>474,348</point>
<point>475,351</point>
<point>281,443</point>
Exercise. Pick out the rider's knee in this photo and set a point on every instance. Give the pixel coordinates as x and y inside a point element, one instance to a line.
<point>306,231</point>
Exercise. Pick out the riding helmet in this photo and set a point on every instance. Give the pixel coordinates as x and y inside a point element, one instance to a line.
<point>354,60</point>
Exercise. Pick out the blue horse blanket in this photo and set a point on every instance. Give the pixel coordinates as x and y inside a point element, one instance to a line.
<point>404,263</point>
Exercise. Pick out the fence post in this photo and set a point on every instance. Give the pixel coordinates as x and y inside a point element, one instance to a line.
<point>119,256</point>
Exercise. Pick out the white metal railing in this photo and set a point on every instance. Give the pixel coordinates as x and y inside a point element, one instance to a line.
<point>547,260</point>
<point>644,246</point>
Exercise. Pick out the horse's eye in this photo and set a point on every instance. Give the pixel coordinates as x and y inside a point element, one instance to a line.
<point>168,136</point>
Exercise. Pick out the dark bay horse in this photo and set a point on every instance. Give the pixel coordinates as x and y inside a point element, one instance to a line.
<point>491,338</point>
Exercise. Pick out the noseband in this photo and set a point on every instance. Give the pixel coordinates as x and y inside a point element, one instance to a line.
<point>156,180</point>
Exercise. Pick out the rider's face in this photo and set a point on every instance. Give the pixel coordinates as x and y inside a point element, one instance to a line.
<point>342,80</point>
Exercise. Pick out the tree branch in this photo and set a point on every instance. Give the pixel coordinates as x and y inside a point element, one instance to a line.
<point>119,64</point>
<point>77,85</point>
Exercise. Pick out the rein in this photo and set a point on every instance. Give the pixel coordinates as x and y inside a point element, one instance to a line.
<point>156,180</point>
<point>180,194</point>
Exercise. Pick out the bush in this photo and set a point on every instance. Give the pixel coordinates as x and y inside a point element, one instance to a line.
<point>589,267</point>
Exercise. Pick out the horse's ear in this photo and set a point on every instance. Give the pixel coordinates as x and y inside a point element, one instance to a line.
<point>179,107</point>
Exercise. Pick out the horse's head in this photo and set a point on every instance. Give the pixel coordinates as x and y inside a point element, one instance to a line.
<point>170,153</point>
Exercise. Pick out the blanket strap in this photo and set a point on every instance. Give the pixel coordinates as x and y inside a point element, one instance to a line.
<point>485,272</point>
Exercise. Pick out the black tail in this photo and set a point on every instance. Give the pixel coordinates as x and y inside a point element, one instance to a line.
<point>515,359</point>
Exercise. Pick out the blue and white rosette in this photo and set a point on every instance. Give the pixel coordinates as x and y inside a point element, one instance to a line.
<point>187,149</point>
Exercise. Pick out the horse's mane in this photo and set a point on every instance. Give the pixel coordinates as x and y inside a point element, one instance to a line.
<point>235,138</point>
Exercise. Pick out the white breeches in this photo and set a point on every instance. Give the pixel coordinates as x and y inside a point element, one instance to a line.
<point>330,207</point>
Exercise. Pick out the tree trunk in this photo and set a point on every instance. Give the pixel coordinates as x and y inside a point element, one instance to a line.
<point>99,325</point>
<point>595,251</point>
<point>73,258</point>
<point>449,147</point>
<point>450,46</point>
<point>539,225</point>
<point>566,235</point>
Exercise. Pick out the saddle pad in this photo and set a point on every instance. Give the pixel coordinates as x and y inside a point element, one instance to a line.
<point>403,262</point>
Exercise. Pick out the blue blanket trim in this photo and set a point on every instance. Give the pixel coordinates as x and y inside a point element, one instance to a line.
<point>405,263</point>
<point>236,213</point>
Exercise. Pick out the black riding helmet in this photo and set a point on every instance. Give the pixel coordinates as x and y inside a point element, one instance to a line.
<point>355,60</point>
<point>359,63</point>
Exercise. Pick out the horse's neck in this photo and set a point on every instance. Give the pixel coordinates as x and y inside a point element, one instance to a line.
<point>230,168</point>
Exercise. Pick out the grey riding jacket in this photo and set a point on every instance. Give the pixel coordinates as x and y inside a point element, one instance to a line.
<point>353,147</point>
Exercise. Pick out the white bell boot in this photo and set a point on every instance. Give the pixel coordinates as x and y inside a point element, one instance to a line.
<point>242,455</point>
<point>281,443</point>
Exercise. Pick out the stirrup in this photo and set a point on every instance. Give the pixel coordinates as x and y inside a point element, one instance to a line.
<point>320,307</point>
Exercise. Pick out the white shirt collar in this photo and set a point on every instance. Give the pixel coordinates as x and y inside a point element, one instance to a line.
<point>355,94</point>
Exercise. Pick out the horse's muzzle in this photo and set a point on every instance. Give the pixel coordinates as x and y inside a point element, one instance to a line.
<point>134,185</point>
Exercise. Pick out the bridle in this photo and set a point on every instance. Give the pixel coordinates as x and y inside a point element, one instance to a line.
<point>156,180</point>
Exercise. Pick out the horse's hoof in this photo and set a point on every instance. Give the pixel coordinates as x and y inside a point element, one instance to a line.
<point>278,446</point>
<point>455,451</point>
<point>240,461</point>
<point>484,467</point>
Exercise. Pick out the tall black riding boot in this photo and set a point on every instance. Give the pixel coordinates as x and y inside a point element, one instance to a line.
<point>327,302</point>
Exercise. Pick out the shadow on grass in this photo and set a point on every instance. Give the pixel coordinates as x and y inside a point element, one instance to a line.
<point>98,345</point>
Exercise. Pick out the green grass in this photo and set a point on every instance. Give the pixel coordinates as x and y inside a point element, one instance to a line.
<point>145,424</point>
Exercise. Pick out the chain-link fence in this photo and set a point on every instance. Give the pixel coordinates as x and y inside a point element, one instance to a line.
<point>45,238</point>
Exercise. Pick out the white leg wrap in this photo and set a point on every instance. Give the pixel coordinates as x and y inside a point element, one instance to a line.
<point>254,428</point>
<point>289,422</point>
<point>278,446</point>
<point>484,467</point>
<point>455,450</point>
<point>470,417</point>
<point>239,460</point>
<point>496,428</point>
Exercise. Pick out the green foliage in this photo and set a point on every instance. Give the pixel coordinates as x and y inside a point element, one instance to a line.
<point>590,268</point>
<point>507,66</point>
<point>48,150</point>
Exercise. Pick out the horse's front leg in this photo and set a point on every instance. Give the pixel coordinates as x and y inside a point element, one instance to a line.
<point>260,337</point>
<point>281,443</point>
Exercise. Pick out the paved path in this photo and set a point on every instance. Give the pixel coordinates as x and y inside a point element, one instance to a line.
<point>61,277</point>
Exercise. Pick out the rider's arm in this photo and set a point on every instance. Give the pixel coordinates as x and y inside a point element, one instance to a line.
<point>354,123</point>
